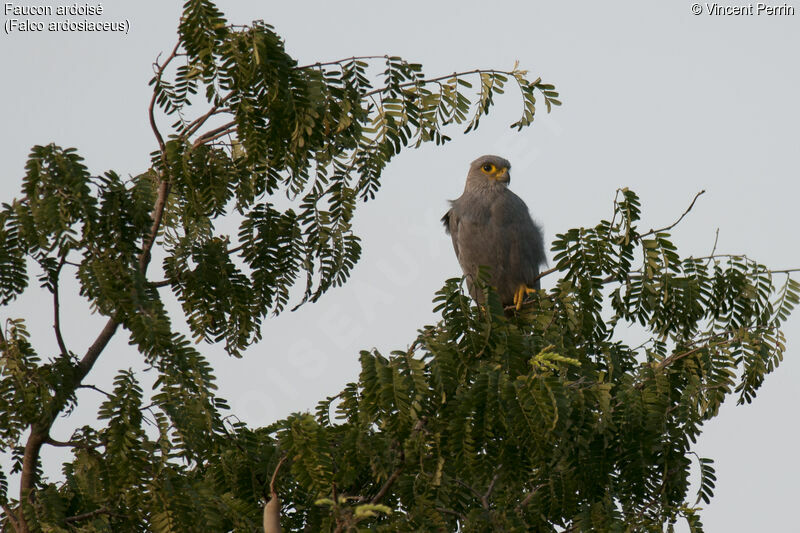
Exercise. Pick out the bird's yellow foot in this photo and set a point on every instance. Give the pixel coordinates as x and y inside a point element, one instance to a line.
<point>522,291</point>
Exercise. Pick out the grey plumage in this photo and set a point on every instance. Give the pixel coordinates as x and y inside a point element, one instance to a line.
<point>491,226</point>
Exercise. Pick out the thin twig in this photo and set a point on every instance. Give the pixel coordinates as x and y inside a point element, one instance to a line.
<point>451,512</point>
<point>101,391</point>
<point>86,516</point>
<point>440,78</point>
<point>714,248</point>
<point>198,122</point>
<point>675,357</point>
<point>216,133</point>
<point>339,61</point>
<point>667,228</point>
<point>477,494</point>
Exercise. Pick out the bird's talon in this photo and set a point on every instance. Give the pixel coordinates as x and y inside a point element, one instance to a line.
<point>520,294</point>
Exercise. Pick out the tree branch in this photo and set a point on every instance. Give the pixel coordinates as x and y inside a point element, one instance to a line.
<point>57,311</point>
<point>675,357</point>
<point>528,497</point>
<point>214,134</point>
<point>158,213</point>
<point>272,489</point>
<point>86,516</point>
<point>198,122</point>
<point>440,78</point>
<point>385,488</point>
<point>11,518</point>
<point>477,494</point>
<point>101,391</point>
<point>151,108</point>
<point>339,61</point>
<point>40,431</point>
<point>489,489</point>
<point>667,228</point>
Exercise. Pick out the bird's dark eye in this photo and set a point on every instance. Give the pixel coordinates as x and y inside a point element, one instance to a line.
<point>488,167</point>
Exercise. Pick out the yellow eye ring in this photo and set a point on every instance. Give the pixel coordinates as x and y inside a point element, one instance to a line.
<point>488,167</point>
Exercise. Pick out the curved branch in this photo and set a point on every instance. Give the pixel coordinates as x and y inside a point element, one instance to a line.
<point>94,388</point>
<point>158,213</point>
<point>151,108</point>
<point>275,476</point>
<point>57,311</point>
<point>666,228</point>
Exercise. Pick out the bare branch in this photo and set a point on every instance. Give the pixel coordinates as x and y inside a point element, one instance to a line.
<point>57,310</point>
<point>198,122</point>
<point>66,444</point>
<point>489,489</point>
<point>86,516</point>
<point>784,271</point>
<point>11,518</point>
<point>339,61</point>
<point>528,497</point>
<point>675,357</point>
<point>151,108</point>
<point>440,78</point>
<point>85,364</point>
<point>385,488</point>
<point>477,494</point>
<point>545,273</point>
<point>667,228</point>
<point>714,248</point>
<point>275,476</point>
<point>158,213</point>
<point>214,134</point>
<point>101,391</point>
<point>451,512</point>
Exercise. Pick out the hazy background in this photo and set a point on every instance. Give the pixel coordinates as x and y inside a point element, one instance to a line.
<point>655,99</point>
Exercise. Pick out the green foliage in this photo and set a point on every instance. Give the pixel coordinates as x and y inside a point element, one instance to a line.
<point>539,420</point>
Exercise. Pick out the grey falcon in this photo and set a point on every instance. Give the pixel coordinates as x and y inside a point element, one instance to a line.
<point>491,226</point>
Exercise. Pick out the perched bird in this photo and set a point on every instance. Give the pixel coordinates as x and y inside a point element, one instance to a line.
<point>491,226</point>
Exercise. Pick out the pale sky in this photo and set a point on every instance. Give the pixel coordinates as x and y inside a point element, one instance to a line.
<point>655,98</point>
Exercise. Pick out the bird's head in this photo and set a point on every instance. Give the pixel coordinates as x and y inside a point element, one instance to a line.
<point>489,170</point>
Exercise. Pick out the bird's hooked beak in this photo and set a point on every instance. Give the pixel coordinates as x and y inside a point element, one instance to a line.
<point>503,176</point>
